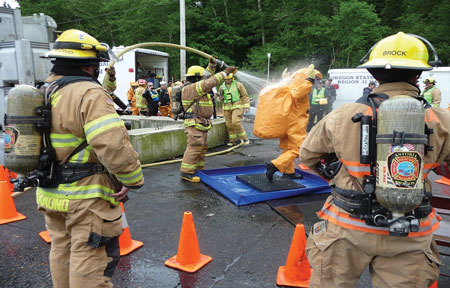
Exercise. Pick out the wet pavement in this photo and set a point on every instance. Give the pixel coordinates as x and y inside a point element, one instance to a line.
<point>247,243</point>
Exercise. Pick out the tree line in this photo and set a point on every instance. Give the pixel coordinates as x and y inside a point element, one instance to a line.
<point>328,33</point>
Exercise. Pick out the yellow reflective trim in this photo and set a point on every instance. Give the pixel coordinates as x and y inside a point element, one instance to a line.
<point>50,203</point>
<point>188,166</point>
<point>199,89</point>
<point>101,125</point>
<point>54,99</point>
<point>65,140</point>
<point>131,177</point>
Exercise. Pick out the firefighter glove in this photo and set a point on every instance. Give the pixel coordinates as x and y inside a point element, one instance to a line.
<point>231,69</point>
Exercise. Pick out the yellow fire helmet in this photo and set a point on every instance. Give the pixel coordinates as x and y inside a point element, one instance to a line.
<point>429,80</point>
<point>76,44</point>
<point>230,76</point>
<point>195,71</point>
<point>399,51</point>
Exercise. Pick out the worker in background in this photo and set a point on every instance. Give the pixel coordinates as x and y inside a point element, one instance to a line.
<point>132,98</point>
<point>368,90</point>
<point>343,244</point>
<point>431,93</point>
<point>299,87</point>
<point>82,212</point>
<point>109,81</point>
<point>141,102</point>
<point>318,103</point>
<point>235,103</point>
<point>152,98</point>
<point>330,93</point>
<point>164,100</point>
<point>198,106</point>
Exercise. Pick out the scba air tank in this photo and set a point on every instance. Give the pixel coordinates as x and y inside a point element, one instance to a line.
<point>400,150</point>
<point>22,140</point>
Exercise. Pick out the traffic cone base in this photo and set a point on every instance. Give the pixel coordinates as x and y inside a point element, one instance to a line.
<point>45,236</point>
<point>443,180</point>
<point>8,212</point>
<point>283,281</point>
<point>134,245</point>
<point>191,268</point>
<point>18,217</point>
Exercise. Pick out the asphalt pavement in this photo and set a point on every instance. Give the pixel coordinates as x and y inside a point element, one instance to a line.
<point>247,243</point>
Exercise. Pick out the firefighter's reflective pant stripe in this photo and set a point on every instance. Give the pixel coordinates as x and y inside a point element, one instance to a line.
<point>165,111</point>
<point>233,121</point>
<point>290,145</point>
<point>339,256</point>
<point>194,156</point>
<point>85,243</point>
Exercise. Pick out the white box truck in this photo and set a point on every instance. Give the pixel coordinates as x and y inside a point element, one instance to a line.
<point>137,64</point>
<point>350,83</point>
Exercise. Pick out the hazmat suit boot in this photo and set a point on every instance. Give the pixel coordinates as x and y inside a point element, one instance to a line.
<point>270,170</point>
<point>190,177</point>
<point>293,176</point>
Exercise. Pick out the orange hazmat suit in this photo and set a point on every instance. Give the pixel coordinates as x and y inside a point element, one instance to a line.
<point>283,113</point>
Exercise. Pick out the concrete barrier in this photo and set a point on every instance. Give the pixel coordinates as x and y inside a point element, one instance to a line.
<point>162,138</point>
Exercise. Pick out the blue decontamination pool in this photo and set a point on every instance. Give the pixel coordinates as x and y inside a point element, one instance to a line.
<point>224,181</point>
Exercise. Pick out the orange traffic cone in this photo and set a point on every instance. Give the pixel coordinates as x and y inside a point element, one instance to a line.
<point>8,212</point>
<point>45,236</point>
<point>127,245</point>
<point>297,271</point>
<point>434,285</point>
<point>443,180</point>
<point>6,175</point>
<point>188,257</point>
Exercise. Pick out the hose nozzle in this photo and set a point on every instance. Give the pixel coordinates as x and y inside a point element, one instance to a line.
<point>221,64</point>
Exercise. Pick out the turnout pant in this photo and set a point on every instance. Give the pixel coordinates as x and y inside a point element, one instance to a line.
<point>194,155</point>
<point>233,121</point>
<point>85,243</point>
<point>165,111</point>
<point>339,256</point>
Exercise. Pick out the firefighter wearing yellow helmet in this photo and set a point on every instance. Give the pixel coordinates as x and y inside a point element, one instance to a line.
<point>355,227</point>
<point>81,207</point>
<point>235,103</point>
<point>141,102</point>
<point>431,93</point>
<point>198,107</point>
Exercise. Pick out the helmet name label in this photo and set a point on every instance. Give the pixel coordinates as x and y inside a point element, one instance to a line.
<point>394,53</point>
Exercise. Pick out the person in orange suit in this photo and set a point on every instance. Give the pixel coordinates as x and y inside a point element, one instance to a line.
<point>132,98</point>
<point>300,84</point>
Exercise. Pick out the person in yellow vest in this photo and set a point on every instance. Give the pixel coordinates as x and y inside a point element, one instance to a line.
<point>132,98</point>
<point>318,104</point>
<point>109,81</point>
<point>199,108</point>
<point>431,93</point>
<point>141,102</point>
<point>357,231</point>
<point>235,103</point>
<point>81,208</point>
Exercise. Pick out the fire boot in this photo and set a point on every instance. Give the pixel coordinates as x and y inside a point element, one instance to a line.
<point>292,176</point>
<point>271,169</point>
<point>190,177</point>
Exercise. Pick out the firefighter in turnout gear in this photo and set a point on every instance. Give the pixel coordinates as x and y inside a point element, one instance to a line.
<point>199,108</point>
<point>141,102</point>
<point>351,235</point>
<point>81,210</point>
<point>431,93</point>
<point>235,103</point>
<point>164,100</point>
<point>132,98</point>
